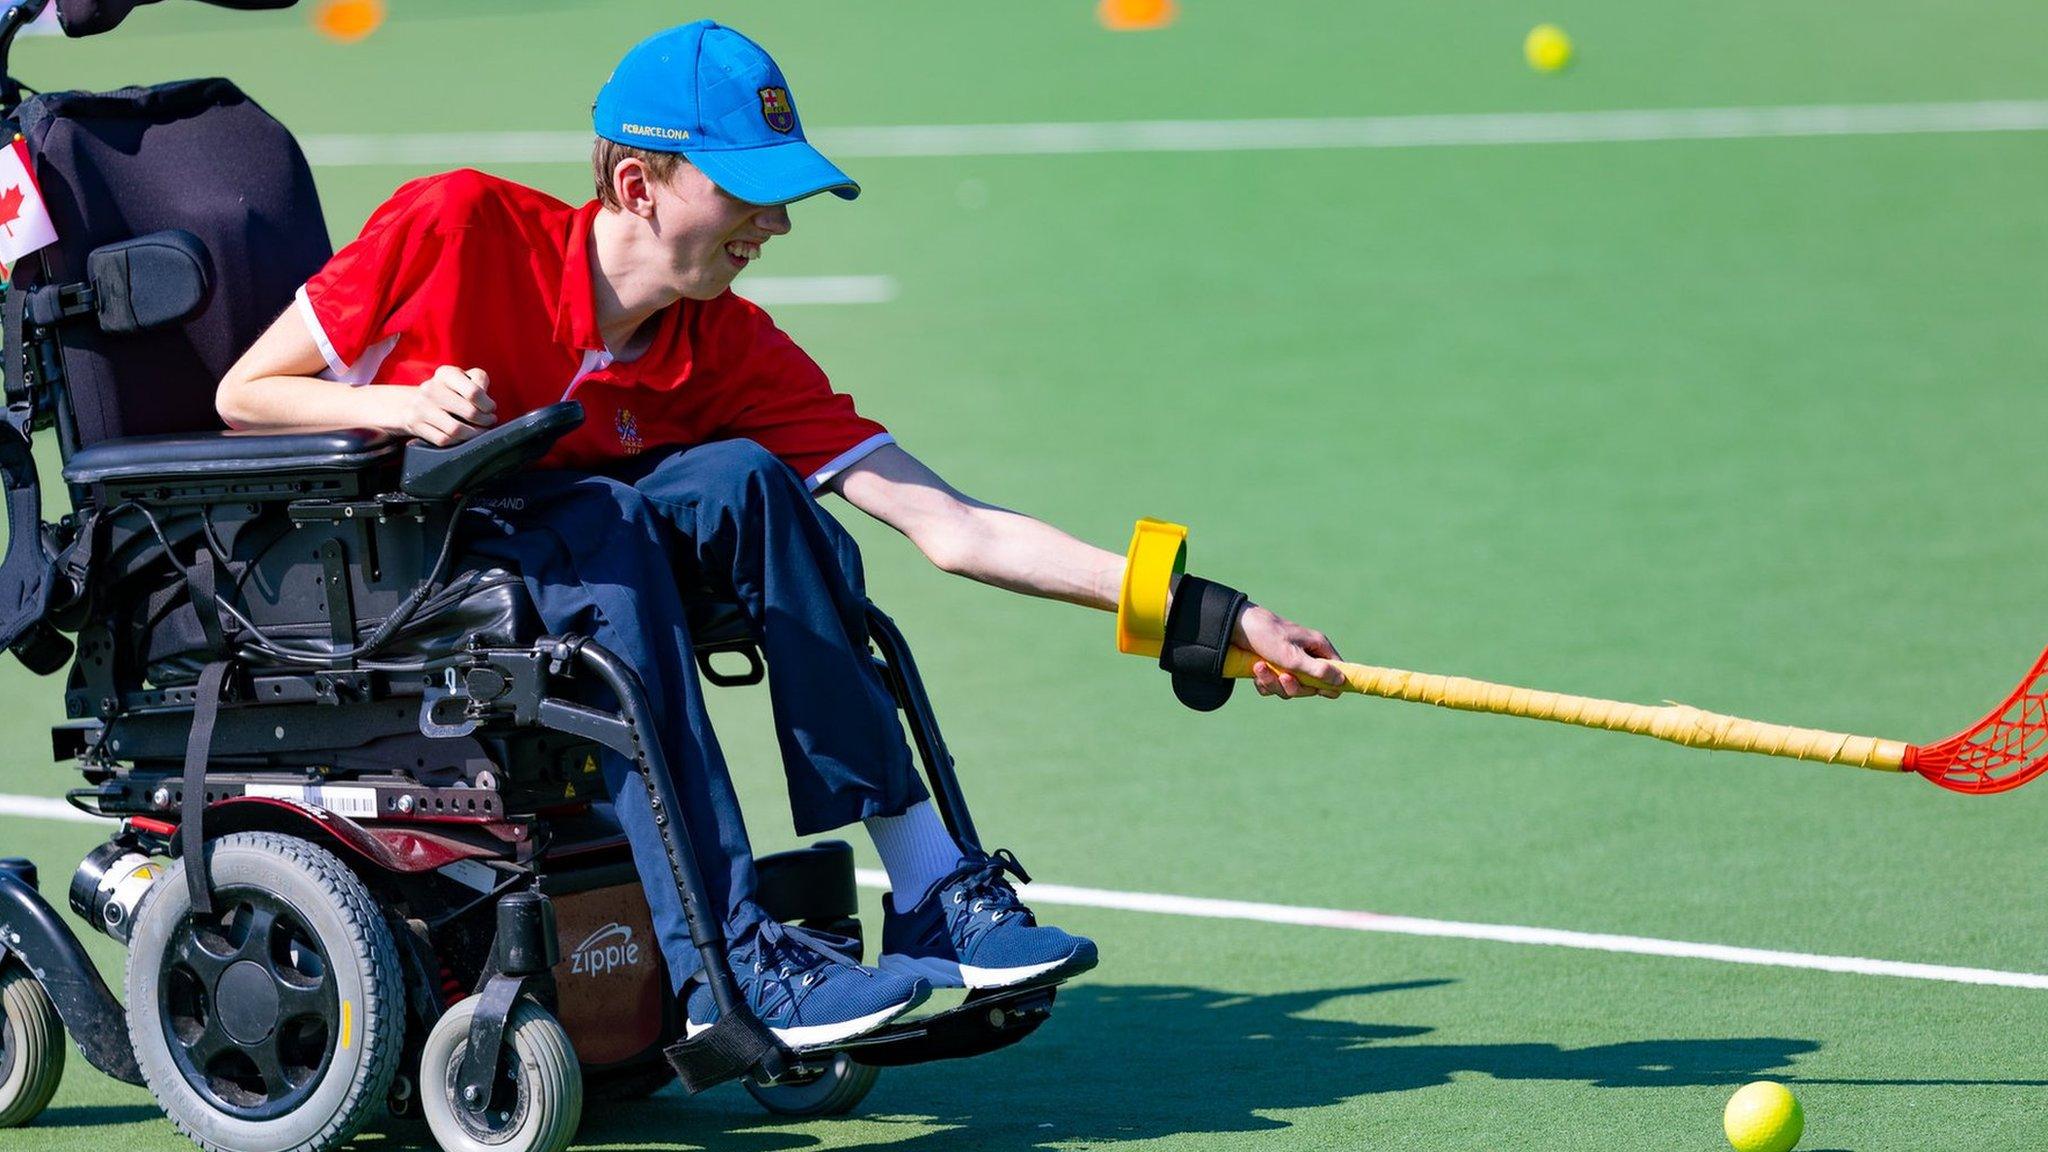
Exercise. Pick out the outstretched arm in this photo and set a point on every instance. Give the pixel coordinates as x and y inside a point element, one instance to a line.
<point>1010,550</point>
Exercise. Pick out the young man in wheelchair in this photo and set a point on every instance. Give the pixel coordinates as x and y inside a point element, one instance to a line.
<point>467,300</point>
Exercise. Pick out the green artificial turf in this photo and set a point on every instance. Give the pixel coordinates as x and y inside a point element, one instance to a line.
<point>1750,424</point>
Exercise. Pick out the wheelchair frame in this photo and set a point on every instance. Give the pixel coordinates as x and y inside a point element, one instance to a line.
<point>291,736</point>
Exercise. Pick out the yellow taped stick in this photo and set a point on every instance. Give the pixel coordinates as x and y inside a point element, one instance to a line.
<point>1677,723</point>
<point>1141,627</point>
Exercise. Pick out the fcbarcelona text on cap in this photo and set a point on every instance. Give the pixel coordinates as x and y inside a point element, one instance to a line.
<point>652,130</point>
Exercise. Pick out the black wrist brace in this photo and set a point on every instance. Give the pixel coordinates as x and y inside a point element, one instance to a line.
<point>1198,627</point>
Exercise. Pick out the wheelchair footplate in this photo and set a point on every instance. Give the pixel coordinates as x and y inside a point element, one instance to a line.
<point>985,1021</point>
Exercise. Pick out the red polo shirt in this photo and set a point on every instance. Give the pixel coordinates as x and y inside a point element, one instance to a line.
<point>470,270</point>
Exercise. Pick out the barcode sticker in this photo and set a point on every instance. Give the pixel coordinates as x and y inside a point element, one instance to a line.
<point>340,799</point>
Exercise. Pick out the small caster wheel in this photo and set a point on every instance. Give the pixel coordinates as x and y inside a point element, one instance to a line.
<point>31,1047</point>
<point>403,1101</point>
<point>537,1098</point>
<point>836,1090</point>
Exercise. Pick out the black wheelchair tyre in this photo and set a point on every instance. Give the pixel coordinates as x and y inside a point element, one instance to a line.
<point>839,1089</point>
<point>31,1046</point>
<point>275,1024</point>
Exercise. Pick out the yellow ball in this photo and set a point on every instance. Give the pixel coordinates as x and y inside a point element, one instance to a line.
<point>1547,48</point>
<point>1763,1117</point>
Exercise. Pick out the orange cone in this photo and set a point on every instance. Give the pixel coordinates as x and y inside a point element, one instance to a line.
<point>1136,15</point>
<point>348,20</point>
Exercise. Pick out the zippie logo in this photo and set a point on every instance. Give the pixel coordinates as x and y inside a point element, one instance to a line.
<point>606,950</point>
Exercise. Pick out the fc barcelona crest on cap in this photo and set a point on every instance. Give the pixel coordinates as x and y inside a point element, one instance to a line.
<point>776,110</point>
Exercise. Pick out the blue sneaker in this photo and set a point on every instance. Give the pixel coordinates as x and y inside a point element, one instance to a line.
<point>805,991</point>
<point>972,931</point>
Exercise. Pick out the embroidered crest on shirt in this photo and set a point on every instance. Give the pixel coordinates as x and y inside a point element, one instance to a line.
<point>775,109</point>
<point>628,430</point>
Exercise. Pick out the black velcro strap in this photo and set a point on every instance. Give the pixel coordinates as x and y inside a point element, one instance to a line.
<point>202,584</point>
<point>1198,627</point>
<point>25,573</point>
<point>730,1048</point>
<point>17,349</point>
<point>192,810</point>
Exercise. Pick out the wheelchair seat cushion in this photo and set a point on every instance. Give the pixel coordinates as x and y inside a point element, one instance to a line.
<point>485,602</point>
<point>482,600</point>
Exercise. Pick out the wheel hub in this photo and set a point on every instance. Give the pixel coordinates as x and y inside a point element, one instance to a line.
<point>248,1001</point>
<point>505,1110</point>
<point>249,1006</point>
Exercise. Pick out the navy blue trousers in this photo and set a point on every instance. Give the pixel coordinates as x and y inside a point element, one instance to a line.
<point>608,557</point>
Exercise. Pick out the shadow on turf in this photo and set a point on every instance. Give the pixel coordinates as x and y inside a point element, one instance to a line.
<point>1140,1062</point>
<point>92,1115</point>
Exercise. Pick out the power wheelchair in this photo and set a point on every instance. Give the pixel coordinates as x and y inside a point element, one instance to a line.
<point>280,662</point>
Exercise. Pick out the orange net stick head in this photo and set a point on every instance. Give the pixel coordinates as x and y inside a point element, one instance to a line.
<point>2001,752</point>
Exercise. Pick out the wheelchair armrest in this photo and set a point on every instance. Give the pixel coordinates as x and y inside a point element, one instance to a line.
<point>209,455</point>
<point>441,473</point>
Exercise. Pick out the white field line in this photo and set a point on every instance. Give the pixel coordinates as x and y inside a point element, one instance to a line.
<point>1197,906</point>
<point>446,149</point>
<point>783,290</point>
<point>39,808</point>
<point>1056,895</point>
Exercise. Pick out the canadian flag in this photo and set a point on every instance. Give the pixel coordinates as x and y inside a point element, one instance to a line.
<point>24,222</point>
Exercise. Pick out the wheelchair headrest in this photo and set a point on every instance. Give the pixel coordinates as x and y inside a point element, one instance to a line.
<point>92,17</point>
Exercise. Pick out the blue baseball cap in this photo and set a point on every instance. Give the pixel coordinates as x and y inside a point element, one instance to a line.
<point>716,97</point>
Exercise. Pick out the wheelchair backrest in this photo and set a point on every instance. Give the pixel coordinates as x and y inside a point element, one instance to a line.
<point>92,17</point>
<point>195,155</point>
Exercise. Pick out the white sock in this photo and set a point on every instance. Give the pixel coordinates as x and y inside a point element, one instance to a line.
<point>916,849</point>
